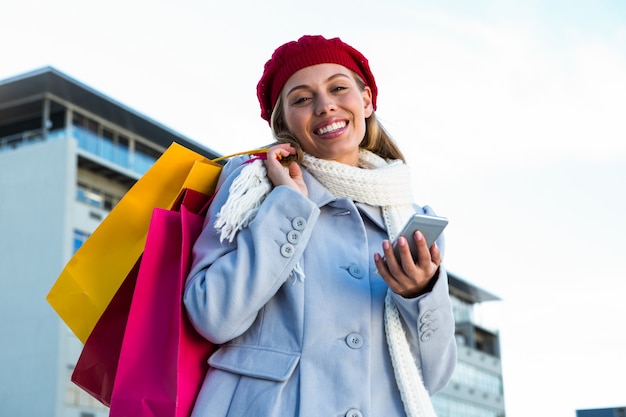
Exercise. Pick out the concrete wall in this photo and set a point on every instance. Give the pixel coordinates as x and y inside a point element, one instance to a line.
<point>37,183</point>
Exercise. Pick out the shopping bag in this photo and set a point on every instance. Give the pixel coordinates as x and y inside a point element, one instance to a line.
<point>93,275</point>
<point>163,360</point>
<point>97,365</point>
<point>95,369</point>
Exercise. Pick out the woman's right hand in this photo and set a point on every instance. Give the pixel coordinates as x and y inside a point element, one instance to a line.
<point>276,172</point>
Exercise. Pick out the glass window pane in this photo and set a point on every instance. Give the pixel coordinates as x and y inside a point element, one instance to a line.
<point>79,238</point>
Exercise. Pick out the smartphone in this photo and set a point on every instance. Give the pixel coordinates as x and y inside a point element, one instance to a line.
<point>430,226</point>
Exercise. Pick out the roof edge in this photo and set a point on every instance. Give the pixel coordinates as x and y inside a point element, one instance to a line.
<point>53,72</point>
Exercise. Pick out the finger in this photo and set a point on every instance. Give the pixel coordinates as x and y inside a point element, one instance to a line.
<point>294,171</point>
<point>382,267</point>
<point>423,253</point>
<point>276,172</point>
<point>285,151</point>
<point>393,264</point>
<point>435,254</point>
<point>399,269</point>
<point>407,260</point>
<point>278,152</point>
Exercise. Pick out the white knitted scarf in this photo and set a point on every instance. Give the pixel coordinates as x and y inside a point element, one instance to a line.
<point>375,181</point>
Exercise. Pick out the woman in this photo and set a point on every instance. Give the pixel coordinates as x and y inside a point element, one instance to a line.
<point>294,273</point>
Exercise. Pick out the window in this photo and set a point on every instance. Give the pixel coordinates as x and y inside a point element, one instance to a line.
<point>79,238</point>
<point>96,197</point>
<point>76,397</point>
<point>462,310</point>
<point>109,201</point>
<point>106,142</point>
<point>480,379</point>
<point>89,195</point>
<point>446,406</point>
<point>122,151</point>
<point>86,132</point>
<point>145,157</point>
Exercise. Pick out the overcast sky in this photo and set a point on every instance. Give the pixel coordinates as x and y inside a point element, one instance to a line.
<point>511,114</point>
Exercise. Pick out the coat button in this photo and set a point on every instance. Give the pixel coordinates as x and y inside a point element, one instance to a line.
<point>426,335</point>
<point>354,413</point>
<point>427,326</point>
<point>356,271</point>
<point>354,340</point>
<point>293,237</point>
<point>287,250</point>
<point>427,316</point>
<point>299,223</point>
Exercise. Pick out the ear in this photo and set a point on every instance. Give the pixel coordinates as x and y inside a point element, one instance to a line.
<point>367,101</point>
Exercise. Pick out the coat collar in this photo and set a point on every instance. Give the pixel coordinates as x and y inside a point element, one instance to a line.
<point>317,192</point>
<point>374,213</point>
<point>319,195</point>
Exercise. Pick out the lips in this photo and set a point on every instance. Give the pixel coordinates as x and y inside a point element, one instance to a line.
<point>331,128</point>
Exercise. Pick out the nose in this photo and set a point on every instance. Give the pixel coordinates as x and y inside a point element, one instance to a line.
<point>324,104</point>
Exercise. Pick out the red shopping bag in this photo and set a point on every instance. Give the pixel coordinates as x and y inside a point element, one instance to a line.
<point>96,367</point>
<point>163,360</point>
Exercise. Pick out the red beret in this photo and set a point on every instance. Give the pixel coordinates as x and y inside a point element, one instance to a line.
<point>308,50</point>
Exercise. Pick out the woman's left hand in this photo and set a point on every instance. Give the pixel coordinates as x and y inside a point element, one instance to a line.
<point>408,278</point>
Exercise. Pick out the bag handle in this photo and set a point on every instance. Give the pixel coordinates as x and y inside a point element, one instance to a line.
<point>257,152</point>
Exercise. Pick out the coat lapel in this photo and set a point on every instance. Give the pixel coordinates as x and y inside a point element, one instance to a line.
<point>321,196</point>
<point>374,213</point>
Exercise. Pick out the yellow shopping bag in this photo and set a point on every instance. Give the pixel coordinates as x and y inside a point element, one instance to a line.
<point>91,278</point>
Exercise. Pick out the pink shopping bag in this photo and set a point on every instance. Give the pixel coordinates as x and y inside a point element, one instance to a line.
<point>163,360</point>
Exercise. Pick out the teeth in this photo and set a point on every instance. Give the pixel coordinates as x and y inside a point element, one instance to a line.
<point>331,127</point>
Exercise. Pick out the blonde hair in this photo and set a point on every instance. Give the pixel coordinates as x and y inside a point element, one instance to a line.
<point>376,138</point>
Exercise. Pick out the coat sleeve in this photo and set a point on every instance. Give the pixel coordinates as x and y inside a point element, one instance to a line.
<point>230,282</point>
<point>429,323</point>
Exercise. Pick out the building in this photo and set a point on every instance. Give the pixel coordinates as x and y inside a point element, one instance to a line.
<point>602,412</point>
<point>476,388</point>
<point>67,155</point>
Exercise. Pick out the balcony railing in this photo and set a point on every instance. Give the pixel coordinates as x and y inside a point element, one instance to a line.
<point>116,153</point>
<point>18,140</point>
<point>113,152</point>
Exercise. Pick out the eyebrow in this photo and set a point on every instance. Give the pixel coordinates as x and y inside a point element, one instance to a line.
<point>329,79</point>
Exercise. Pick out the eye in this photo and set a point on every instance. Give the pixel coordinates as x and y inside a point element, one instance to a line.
<point>339,88</point>
<point>300,100</point>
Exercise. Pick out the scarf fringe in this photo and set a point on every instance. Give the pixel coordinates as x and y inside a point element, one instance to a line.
<point>245,196</point>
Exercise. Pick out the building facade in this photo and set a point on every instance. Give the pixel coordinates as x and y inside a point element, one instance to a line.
<point>67,155</point>
<point>476,388</point>
<point>602,412</point>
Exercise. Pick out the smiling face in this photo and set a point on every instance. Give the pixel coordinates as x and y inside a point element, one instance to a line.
<point>325,110</point>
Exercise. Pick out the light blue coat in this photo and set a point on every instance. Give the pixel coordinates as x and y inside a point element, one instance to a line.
<point>308,344</point>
